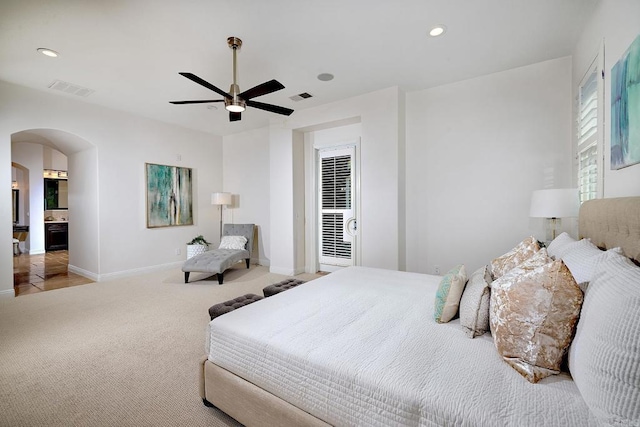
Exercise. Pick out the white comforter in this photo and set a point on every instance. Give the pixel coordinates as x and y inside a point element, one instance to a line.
<point>360,347</point>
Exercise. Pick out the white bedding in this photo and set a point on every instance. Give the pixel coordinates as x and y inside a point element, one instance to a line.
<point>360,347</point>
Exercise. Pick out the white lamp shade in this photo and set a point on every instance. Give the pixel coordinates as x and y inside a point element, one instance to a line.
<point>220,198</point>
<point>555,203</point>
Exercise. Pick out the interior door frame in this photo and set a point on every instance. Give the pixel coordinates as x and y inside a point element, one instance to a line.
<point>312,263</point>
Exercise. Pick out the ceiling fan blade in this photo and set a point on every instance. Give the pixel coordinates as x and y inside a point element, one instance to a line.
<point>271,108</point>
<point>196,102</point>
<point>206,84</point>
<point>262,89</point>
<point>234,117</point>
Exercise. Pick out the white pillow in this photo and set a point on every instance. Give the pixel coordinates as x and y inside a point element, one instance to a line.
<point>604,356</point>
<point>233,242</point>
<point>557,246</point>
<point>474,305</point>
<point>581,257</point>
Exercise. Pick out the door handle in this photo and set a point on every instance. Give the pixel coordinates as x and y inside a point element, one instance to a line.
<point>351,226</point>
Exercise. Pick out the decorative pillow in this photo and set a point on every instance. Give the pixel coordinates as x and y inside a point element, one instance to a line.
<point>581,257</point>
<point>533,313</point>
<point>474,304</point>
<point>516,256</point>
<point>557,245</point>
<point>233,242</point>
<point>604,356</point>
<point>449,293</point>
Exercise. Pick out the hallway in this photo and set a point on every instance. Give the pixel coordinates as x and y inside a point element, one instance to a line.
<point>45,272</point>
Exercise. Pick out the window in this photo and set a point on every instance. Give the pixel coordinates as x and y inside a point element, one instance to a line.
<point>589,135</point>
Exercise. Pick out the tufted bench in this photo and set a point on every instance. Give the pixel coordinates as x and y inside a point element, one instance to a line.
<point>276,288</point>
<point>233,304</point>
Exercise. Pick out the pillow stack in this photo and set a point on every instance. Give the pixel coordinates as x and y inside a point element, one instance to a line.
<point>534,306</point>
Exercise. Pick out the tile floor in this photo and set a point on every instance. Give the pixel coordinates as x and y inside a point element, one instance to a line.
<point>38,273</point>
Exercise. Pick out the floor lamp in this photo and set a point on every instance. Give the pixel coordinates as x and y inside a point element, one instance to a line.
<point>554,204</point>
<point>221,199</point>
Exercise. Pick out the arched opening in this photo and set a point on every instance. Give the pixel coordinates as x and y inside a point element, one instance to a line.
<point>30,149</point>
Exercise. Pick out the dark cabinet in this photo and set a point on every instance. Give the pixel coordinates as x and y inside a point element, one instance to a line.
<point>56,236</point>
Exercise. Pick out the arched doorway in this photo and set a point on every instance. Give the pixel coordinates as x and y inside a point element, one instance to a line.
<point>29,146</point>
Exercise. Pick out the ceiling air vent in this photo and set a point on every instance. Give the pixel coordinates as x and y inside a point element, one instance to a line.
<point>300,96</point>
<point>70,88</point>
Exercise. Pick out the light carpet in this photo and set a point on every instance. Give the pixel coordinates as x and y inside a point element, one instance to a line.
<point>117,353</point>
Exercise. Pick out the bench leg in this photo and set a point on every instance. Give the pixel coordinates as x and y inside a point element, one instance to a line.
<point>220,278</point>
<point>248,259</point>
<point>207,403</point>
<point>186,277</point>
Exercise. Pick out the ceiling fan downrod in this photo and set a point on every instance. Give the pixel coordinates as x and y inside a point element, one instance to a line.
<point>235,104</point>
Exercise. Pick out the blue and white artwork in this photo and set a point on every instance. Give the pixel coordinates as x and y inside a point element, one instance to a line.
<point>625,108</point>
<point>169,196</point>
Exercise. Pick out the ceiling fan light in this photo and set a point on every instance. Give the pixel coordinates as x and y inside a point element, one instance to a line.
<point>235,108</point>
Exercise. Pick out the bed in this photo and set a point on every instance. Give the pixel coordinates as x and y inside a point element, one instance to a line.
<point>360,347</point>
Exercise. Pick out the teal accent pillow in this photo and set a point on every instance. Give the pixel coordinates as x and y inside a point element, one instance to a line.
<point>449,294</point>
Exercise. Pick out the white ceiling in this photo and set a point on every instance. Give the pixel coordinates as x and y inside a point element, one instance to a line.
<point>130,51</point>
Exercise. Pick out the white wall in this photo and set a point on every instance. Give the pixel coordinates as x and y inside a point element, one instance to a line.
<point>475,151</point>
<point>617,22</point>
<point>124,143</point>
<point>246,176</point>
<point>31,156</point>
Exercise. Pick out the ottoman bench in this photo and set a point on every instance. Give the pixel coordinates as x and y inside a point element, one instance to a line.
<point>233,304</point>
<point>276,288</point>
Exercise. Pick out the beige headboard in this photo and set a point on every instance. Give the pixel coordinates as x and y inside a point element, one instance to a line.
<point>612,222</point>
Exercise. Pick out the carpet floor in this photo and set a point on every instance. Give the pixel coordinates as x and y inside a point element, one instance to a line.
<point>117,353</point>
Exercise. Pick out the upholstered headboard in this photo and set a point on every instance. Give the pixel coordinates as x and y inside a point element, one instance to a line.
<point>612,222</point>
<point>245,230</point>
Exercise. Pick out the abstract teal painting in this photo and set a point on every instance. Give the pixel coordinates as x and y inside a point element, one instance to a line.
<point>625,108</point>
<point>169,195</point>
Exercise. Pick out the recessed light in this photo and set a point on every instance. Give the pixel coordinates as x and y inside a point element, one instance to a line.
<point>325,77</point>
<point>212,107</point>
<point>48,52</point>
<point>438,30</point>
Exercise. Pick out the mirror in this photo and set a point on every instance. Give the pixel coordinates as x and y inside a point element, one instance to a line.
<point>16,205</point>
<point>56,194</point>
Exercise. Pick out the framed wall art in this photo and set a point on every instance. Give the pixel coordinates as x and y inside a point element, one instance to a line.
<point>625,108</point>
<point>169,195</point>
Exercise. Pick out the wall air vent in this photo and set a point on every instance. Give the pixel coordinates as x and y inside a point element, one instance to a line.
<point>300,96</point>
<point>70,88</point>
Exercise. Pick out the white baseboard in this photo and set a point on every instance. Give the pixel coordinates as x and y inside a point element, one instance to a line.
<point>138,271</point>
<point>299,270</point>
<point>284,271</point>
<point>8,293</point>
<point>84,273</point>
<point>37,251</point>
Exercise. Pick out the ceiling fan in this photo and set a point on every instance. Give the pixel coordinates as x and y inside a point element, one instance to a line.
<point>235,101</point>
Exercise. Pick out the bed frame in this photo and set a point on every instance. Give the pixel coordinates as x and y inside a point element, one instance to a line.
<point>607,222</point>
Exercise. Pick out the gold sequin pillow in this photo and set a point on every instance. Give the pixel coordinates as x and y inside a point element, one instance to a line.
<point>514,257</point>
<point>533,312</point>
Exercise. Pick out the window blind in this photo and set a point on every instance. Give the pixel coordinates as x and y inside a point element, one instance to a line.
<point>587,135</point>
